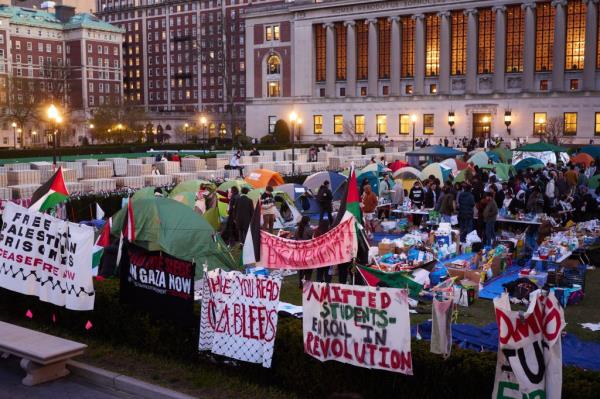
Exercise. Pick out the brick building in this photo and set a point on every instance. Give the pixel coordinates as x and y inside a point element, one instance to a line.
<point>185,58</point>
<point>72,60</point>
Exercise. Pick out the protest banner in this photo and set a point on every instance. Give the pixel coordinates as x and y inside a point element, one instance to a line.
<point>339,245</point>
<point>363,326</point>
<point>238,318</point>
<point>529,364</point>
<point>46,257</point>
<point>158,283</point>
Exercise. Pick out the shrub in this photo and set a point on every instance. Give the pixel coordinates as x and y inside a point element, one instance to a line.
<point>282,132</point>
<point>267,140</point>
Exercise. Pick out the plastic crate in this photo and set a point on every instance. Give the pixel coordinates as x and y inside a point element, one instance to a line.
<point>575,275</point>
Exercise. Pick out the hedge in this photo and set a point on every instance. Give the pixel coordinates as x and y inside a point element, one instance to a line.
<point>466,374</point>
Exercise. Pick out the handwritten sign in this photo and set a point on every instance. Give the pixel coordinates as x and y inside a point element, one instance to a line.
<point>363,326</point>
<point>46,257</point>
<point>529,362</point>
<point>238,318</point>
<point>339,245</point>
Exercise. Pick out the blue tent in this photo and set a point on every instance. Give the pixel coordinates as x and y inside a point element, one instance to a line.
<point>435,151</point>
<point>593,150</point>
<point>493,156</point>
<point>372,178</point>
<point>303,200</point>
<point>336,183</point>
<point>527,163</point>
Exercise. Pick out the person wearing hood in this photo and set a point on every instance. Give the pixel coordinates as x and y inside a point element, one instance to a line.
<point>417,196</point>
<point>325,200</point>
<point>244,209</point>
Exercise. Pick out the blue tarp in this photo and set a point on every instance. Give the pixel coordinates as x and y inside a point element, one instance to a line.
<point>578,353</point>
<point>593,150</point>
<point>435,151</point>
<point>494,287</point>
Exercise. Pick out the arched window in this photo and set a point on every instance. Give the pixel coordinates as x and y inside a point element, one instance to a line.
<point>273,65</point>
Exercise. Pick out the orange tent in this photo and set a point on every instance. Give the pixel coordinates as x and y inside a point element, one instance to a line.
<point>261,178</point>
<point>582,158</point>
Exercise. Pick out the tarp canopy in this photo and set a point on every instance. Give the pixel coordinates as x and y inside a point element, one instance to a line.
<point>541,146</point>
<point>261,178</point>
<point>593,150</point>
<point>162,224</point>
<point>435,151</point>
<point>408,172</point>
<point>582,158</point>
<point>528,163</point>
<point>336,183</point>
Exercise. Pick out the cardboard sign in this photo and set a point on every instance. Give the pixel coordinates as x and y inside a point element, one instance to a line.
<point>238,318</point>
<point>339,245</point>
<point>529,362</point>
<point>47,257</point>
<point>363,326</point>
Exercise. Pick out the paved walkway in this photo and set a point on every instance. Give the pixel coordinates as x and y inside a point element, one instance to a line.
<point>70,387</point>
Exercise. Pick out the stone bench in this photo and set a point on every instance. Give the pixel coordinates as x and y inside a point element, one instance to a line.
<point>43,357</point>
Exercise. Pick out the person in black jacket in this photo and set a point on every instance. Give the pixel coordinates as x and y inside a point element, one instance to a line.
<point>325,200</point>
<point>466,204</point>
<point>417,196</point>
<point>231,231</point>
<point>244,209</point>
<point>430,196</point>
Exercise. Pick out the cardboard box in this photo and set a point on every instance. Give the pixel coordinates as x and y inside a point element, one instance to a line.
<point>386,248</point>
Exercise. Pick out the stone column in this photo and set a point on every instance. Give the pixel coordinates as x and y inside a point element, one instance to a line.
<point>444,86</point>
<point>350,58</point>
<point>330,74</point>
<point>500,50</point>
<point>591,45</point>
<point>560,31</point>
<point>373,73</point>
<point>419,78</point>
<point>472,24</point>
<point>395,56</point>
<point>529,47</point>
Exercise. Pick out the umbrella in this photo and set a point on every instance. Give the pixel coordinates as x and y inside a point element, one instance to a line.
<point>454,164</point>
<point>372,178</point>
<point>480,158</point>
<point>224,187</point>
<point>162,224</point>
<point>396,165</point>
<point>191,186</point>
<point>504,153</point>
<point>541,146</point>
<point>336,181</point>
<point>528,163</point>
<point>439,171</point>
<point>593,150</point>
<point>582,157</point>
<point>408,172</point>
<point>594,181</point>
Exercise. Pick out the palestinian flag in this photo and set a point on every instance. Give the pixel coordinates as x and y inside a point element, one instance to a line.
<point>50,194</point>
<point>251,250</point>
<point>378,278</point>
<point>102,242</point>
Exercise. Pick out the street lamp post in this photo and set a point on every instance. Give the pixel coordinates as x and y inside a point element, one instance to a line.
<point>56,119</point>
<point>20,131</point>
<point>203,122</point>
<point>185,129</point>
<point>293,120</point>
<point>14,126</point>
<point>90,130</point>
<point>413,119</point>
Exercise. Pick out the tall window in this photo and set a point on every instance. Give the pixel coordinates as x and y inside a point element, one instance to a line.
<point>321,51</point>
<point>381,124</point>
<point>486,41</point>
<point>539,122</point>
<point>597,123</point>
<point>359,124</point>
<point>432,45</point>
<point>570,123</point>
<point>362,46</point>
<point>318,124</point>
<point>404,123</point>
<point>273,65</point>
<point>544,36</point>
<point>340,51</point>
<point>408,48</point>
<point>338,124</point>
<point>459,43</point>
<point>273,89</point>
<point>272,122</point>
<point>515,31</point>
<point>427,123</point>
<point>383,26</point>
<point>575,46</point>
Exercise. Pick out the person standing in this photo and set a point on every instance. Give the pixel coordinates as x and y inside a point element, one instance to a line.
<point>572,177</point>
<point>244,209</point>
<point>417,196</point>
<point>304,232</point>
<point>446,208</point>
<point>490,214</point>
<point>465,204</point>
<point>230,227</point>
<point>267,202</point>
<point>325,200</point>
<point>369,207</point>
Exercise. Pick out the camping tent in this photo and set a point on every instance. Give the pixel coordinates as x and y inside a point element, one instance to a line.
<point>593,150</point>
<point>191,186</point>
<point>439,171</point>
<point>162,224</point>
<point>503,170</point>
<point>336,183</point>
<point>582,158</point>
<point>480,158</point>
<point>225,186</point>
<point>261,178</point>
<point>528,163</point>
<point>454,164</point>
<point>302,199</point>
<point>408,172</point>
<point>372,178</point>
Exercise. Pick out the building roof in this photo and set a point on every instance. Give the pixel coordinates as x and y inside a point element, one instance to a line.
<point>44,19</point>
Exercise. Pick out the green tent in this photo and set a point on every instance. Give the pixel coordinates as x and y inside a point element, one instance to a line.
<point>239,183</point>
<point>191,186</point>
<point>146,192</point>
<point>503,170</point>
<point>541,146</point>
<point>461,176</point>
<point>162,224</point>
<point>594,182</point>
<point>503,153</point>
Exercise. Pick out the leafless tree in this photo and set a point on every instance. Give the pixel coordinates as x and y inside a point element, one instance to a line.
<point>554,131</point>
<point>349,131</point>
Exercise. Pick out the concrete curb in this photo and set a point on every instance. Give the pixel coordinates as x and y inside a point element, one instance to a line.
<point>123,383</point>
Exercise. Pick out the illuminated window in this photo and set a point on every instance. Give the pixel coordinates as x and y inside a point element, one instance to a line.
<point>570,123</point>
<point>268,33</point>
<point>515,31</point>
<point>544,37</point>
<point>432,45</point>
<point>273,89</point>
<point>321,50</point>
<point>340,51</point>
<point>575,46</point>
<point>338,124</point>
<point>359,124</point>
<point>276,32</point>
<point>408,48</point>
<point>404,123</point>
<point>383,47</point>
<point>597,124</point>
<point>318,124</point>
<point>427,123</point>
<point>272,122</point>
<point>273,65</point>
<point>459,43</point>
<point>381,124</point>
<point>486,42</point>
<point>362,46</point>
<point>539,122</point>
